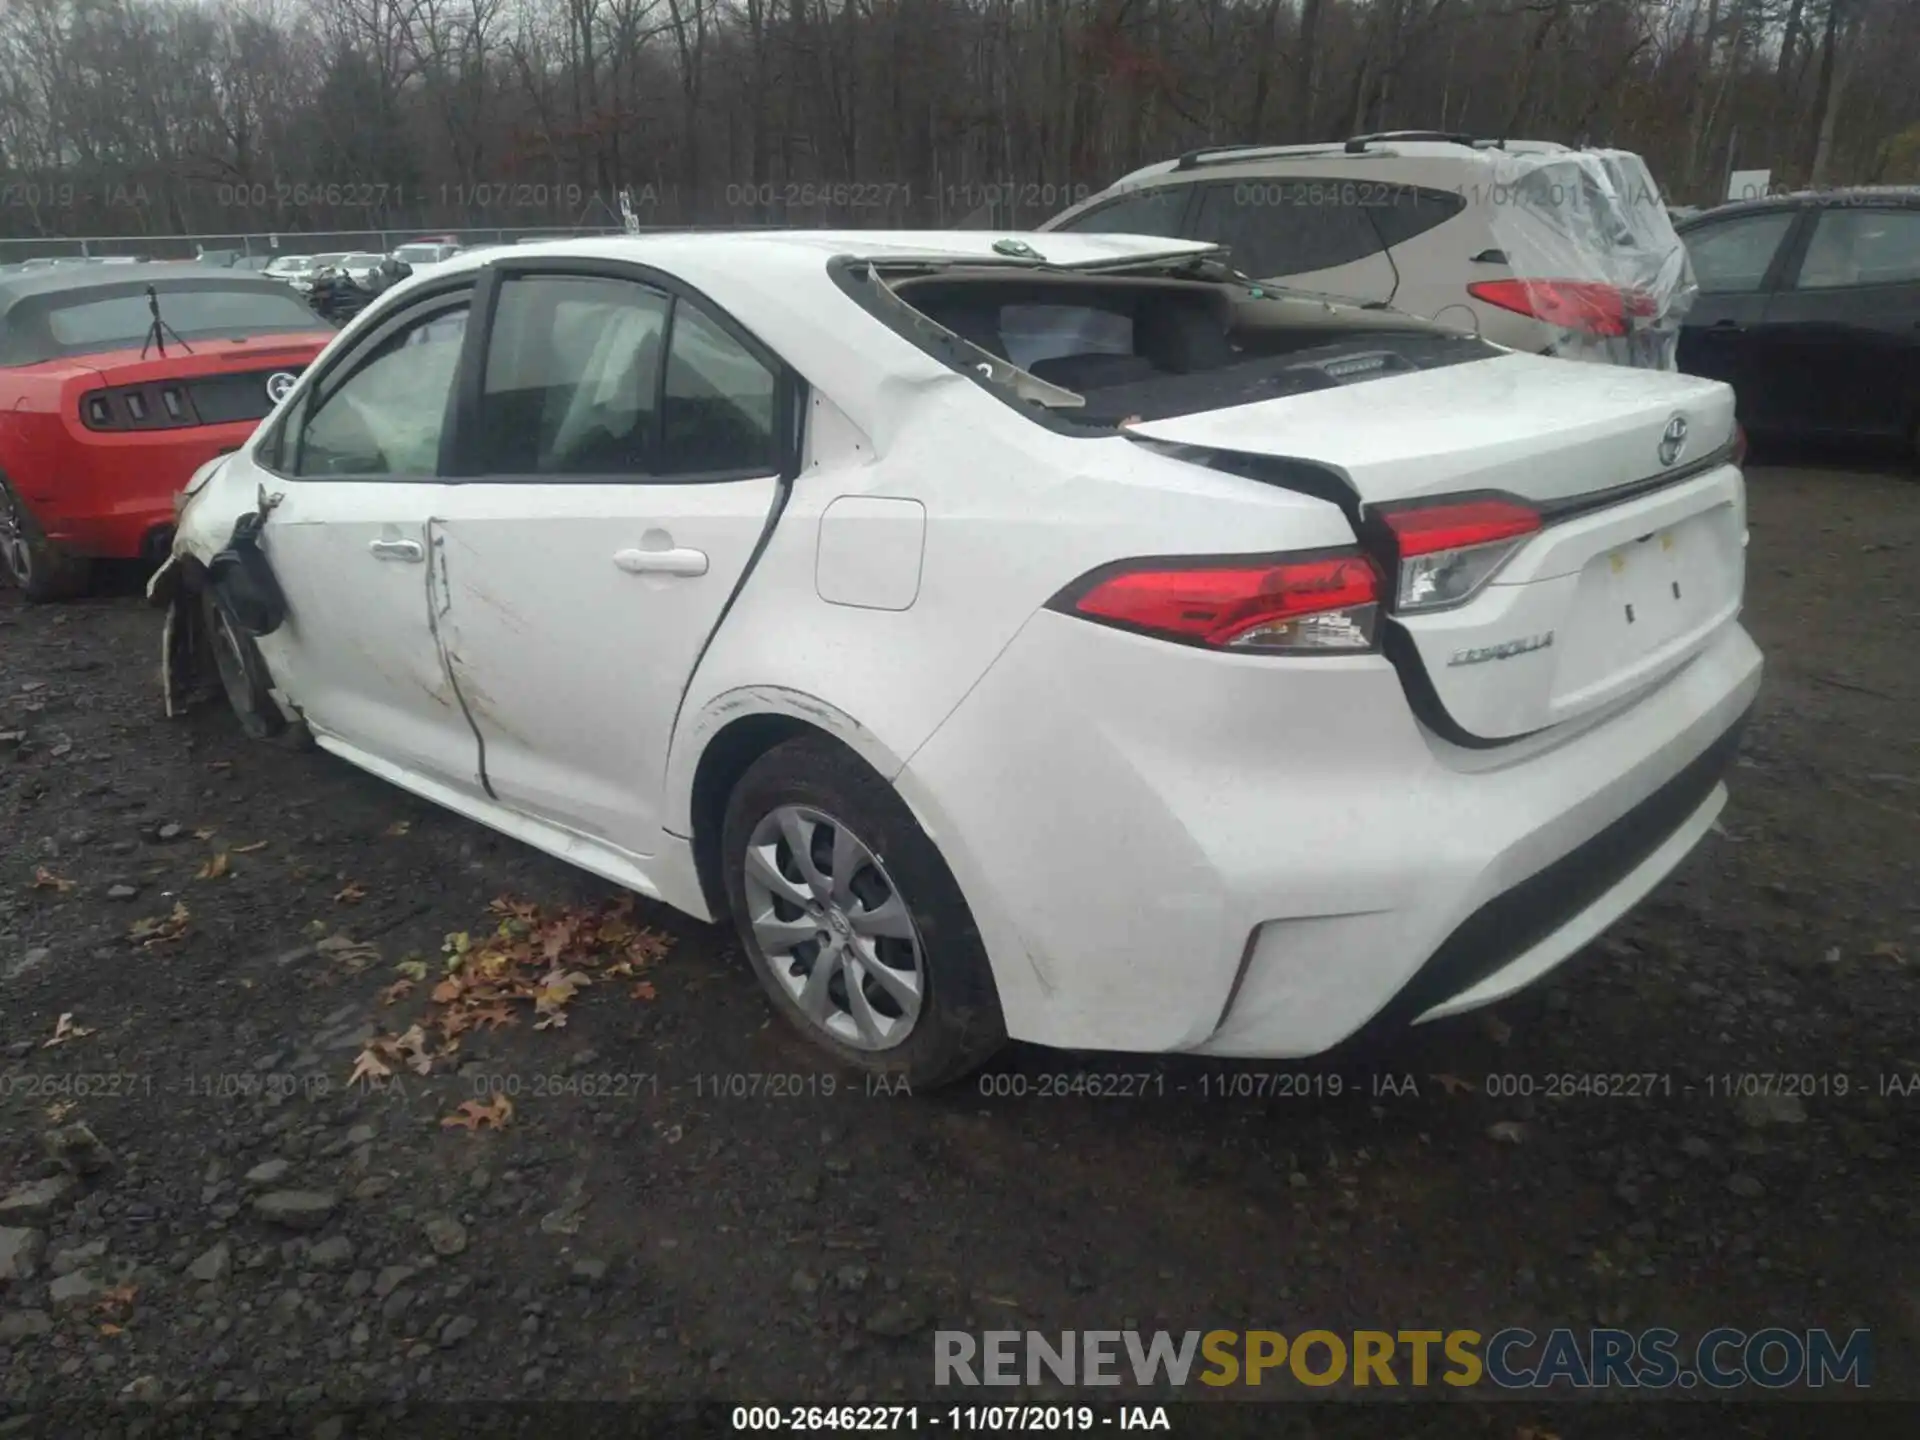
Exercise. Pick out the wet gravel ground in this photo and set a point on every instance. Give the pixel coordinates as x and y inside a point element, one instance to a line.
<point>685,1204</point>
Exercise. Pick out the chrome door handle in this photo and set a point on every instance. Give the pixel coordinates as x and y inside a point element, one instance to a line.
<point>410,550</point>
<point>662,562</point>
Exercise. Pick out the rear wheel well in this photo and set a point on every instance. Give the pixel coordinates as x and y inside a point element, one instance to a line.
<point>722,763</point>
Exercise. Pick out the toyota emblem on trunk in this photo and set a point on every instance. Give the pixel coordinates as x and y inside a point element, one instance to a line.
<point>282,381</point>
<point>1673,439</point>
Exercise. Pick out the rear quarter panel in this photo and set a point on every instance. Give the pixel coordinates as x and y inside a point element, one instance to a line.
<point>1014,512</point>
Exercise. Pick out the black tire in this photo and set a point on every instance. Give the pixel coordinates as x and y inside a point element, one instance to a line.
<point>243,674</point>
<point>959,1025</point>
<point>41,570</point>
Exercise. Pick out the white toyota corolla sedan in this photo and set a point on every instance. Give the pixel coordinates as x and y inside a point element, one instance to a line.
<point>1057,636</point>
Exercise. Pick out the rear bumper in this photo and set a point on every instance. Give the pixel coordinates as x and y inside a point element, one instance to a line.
<point>1188,852</point>
<point>111,497</point>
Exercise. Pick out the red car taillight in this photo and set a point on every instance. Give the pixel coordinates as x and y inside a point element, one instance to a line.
<point>1319,603</point>
<point>1739,443</point>
<point>1584,305</point>
<point>1444,553</point>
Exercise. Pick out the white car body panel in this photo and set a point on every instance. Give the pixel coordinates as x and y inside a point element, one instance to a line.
<point>1163,847</point>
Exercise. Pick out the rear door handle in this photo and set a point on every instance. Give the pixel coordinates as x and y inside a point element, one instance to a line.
<point>409,550</point>
<point>662,562</point>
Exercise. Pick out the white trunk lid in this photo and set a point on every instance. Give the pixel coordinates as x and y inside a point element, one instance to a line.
<point>1614,593</point>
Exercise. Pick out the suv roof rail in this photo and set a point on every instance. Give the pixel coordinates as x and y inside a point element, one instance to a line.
<point>1359,143</point>
<point>1210,152</point>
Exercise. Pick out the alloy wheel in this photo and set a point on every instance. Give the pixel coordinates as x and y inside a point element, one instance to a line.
<point>833,928</point>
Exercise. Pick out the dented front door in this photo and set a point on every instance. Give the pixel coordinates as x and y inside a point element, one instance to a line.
<point>358,474</point>
<point>357,651</point>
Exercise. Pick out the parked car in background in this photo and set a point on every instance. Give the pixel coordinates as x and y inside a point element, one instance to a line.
<point>102,420</point>
<point>1527,243</point>
<point>295,270</point>
<point>1809,307</point>
<point>1056,636</point>
<point>425,254</point>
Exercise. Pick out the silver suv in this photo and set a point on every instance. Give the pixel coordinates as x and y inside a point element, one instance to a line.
<point>1527,243</point>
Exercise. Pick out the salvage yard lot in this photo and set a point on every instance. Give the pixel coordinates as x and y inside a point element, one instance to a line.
<point>629,1180</point>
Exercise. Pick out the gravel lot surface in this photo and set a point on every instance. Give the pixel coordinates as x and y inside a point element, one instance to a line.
<point>202,938</point>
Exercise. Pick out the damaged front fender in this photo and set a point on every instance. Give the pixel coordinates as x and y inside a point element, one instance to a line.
<point>217,598</point>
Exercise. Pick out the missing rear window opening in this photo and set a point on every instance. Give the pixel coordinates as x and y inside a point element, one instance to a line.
<point>1096,351</point>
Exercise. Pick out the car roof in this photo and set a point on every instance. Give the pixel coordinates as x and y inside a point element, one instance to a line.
<point>1898,195</point>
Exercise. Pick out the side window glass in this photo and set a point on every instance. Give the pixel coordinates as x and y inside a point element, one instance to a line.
<point>386,418</point>
<point>572,378</point>
<point>1151,212</point>
<point>718,403</point>
<point>1287,227</point>
<point>1733,257</point>
<point>1402,213</point>
<point>1862,247</point>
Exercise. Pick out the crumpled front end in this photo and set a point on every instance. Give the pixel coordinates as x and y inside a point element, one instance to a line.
<point>215,526</point>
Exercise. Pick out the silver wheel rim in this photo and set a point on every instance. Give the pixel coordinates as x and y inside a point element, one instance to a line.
<point>13,539</point>
<point>833,929</point>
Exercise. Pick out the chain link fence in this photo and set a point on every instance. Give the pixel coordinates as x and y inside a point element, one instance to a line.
<point>268,245</point>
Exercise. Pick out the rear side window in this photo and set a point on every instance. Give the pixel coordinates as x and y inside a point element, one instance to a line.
<point>718,405</point>
<point>1733,257</point>
<point>1149,212</point>
<point>591,376</point>
<point>1862,247</point>
<point>1290,227</point>
<point>1406,213</point>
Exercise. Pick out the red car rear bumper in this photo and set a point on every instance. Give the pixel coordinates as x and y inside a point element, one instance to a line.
<point>111,496</point>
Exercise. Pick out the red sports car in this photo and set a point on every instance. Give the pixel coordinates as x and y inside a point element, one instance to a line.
<point>116,384</point>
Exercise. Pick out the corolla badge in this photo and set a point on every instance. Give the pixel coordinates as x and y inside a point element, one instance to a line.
<point>280,384</point>
<point>1506,650</point>
<point>1673,439</point>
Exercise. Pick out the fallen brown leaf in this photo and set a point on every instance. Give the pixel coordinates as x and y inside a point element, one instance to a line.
<point>205,832</point>
<point>473,1117</point>
<point>397,829</point>
<point>257,845</point>
<point>396,992</point>
<point>116,1301</point>
<point>643,990</point>
<point>1511,1132</point>
<point>214,868</point>
<point>64,1030</point>
<point>111,1330</point>
<point>160,929</point>
<point>45,879</point>
<point>369,1067</point>
<point>350,894</point>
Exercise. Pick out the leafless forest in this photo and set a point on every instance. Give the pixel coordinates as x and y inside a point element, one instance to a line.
<point>153,117</point>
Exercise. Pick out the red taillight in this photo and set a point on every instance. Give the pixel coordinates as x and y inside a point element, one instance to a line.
<point>1584,305</point>
<point>1444,553</point>
<point>1739,443</point>
<point>1322,603</point>
<point>1424,529</point>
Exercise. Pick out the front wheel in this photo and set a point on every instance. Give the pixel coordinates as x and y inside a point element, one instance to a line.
<point>41,569</point>
<point>852,920</point>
